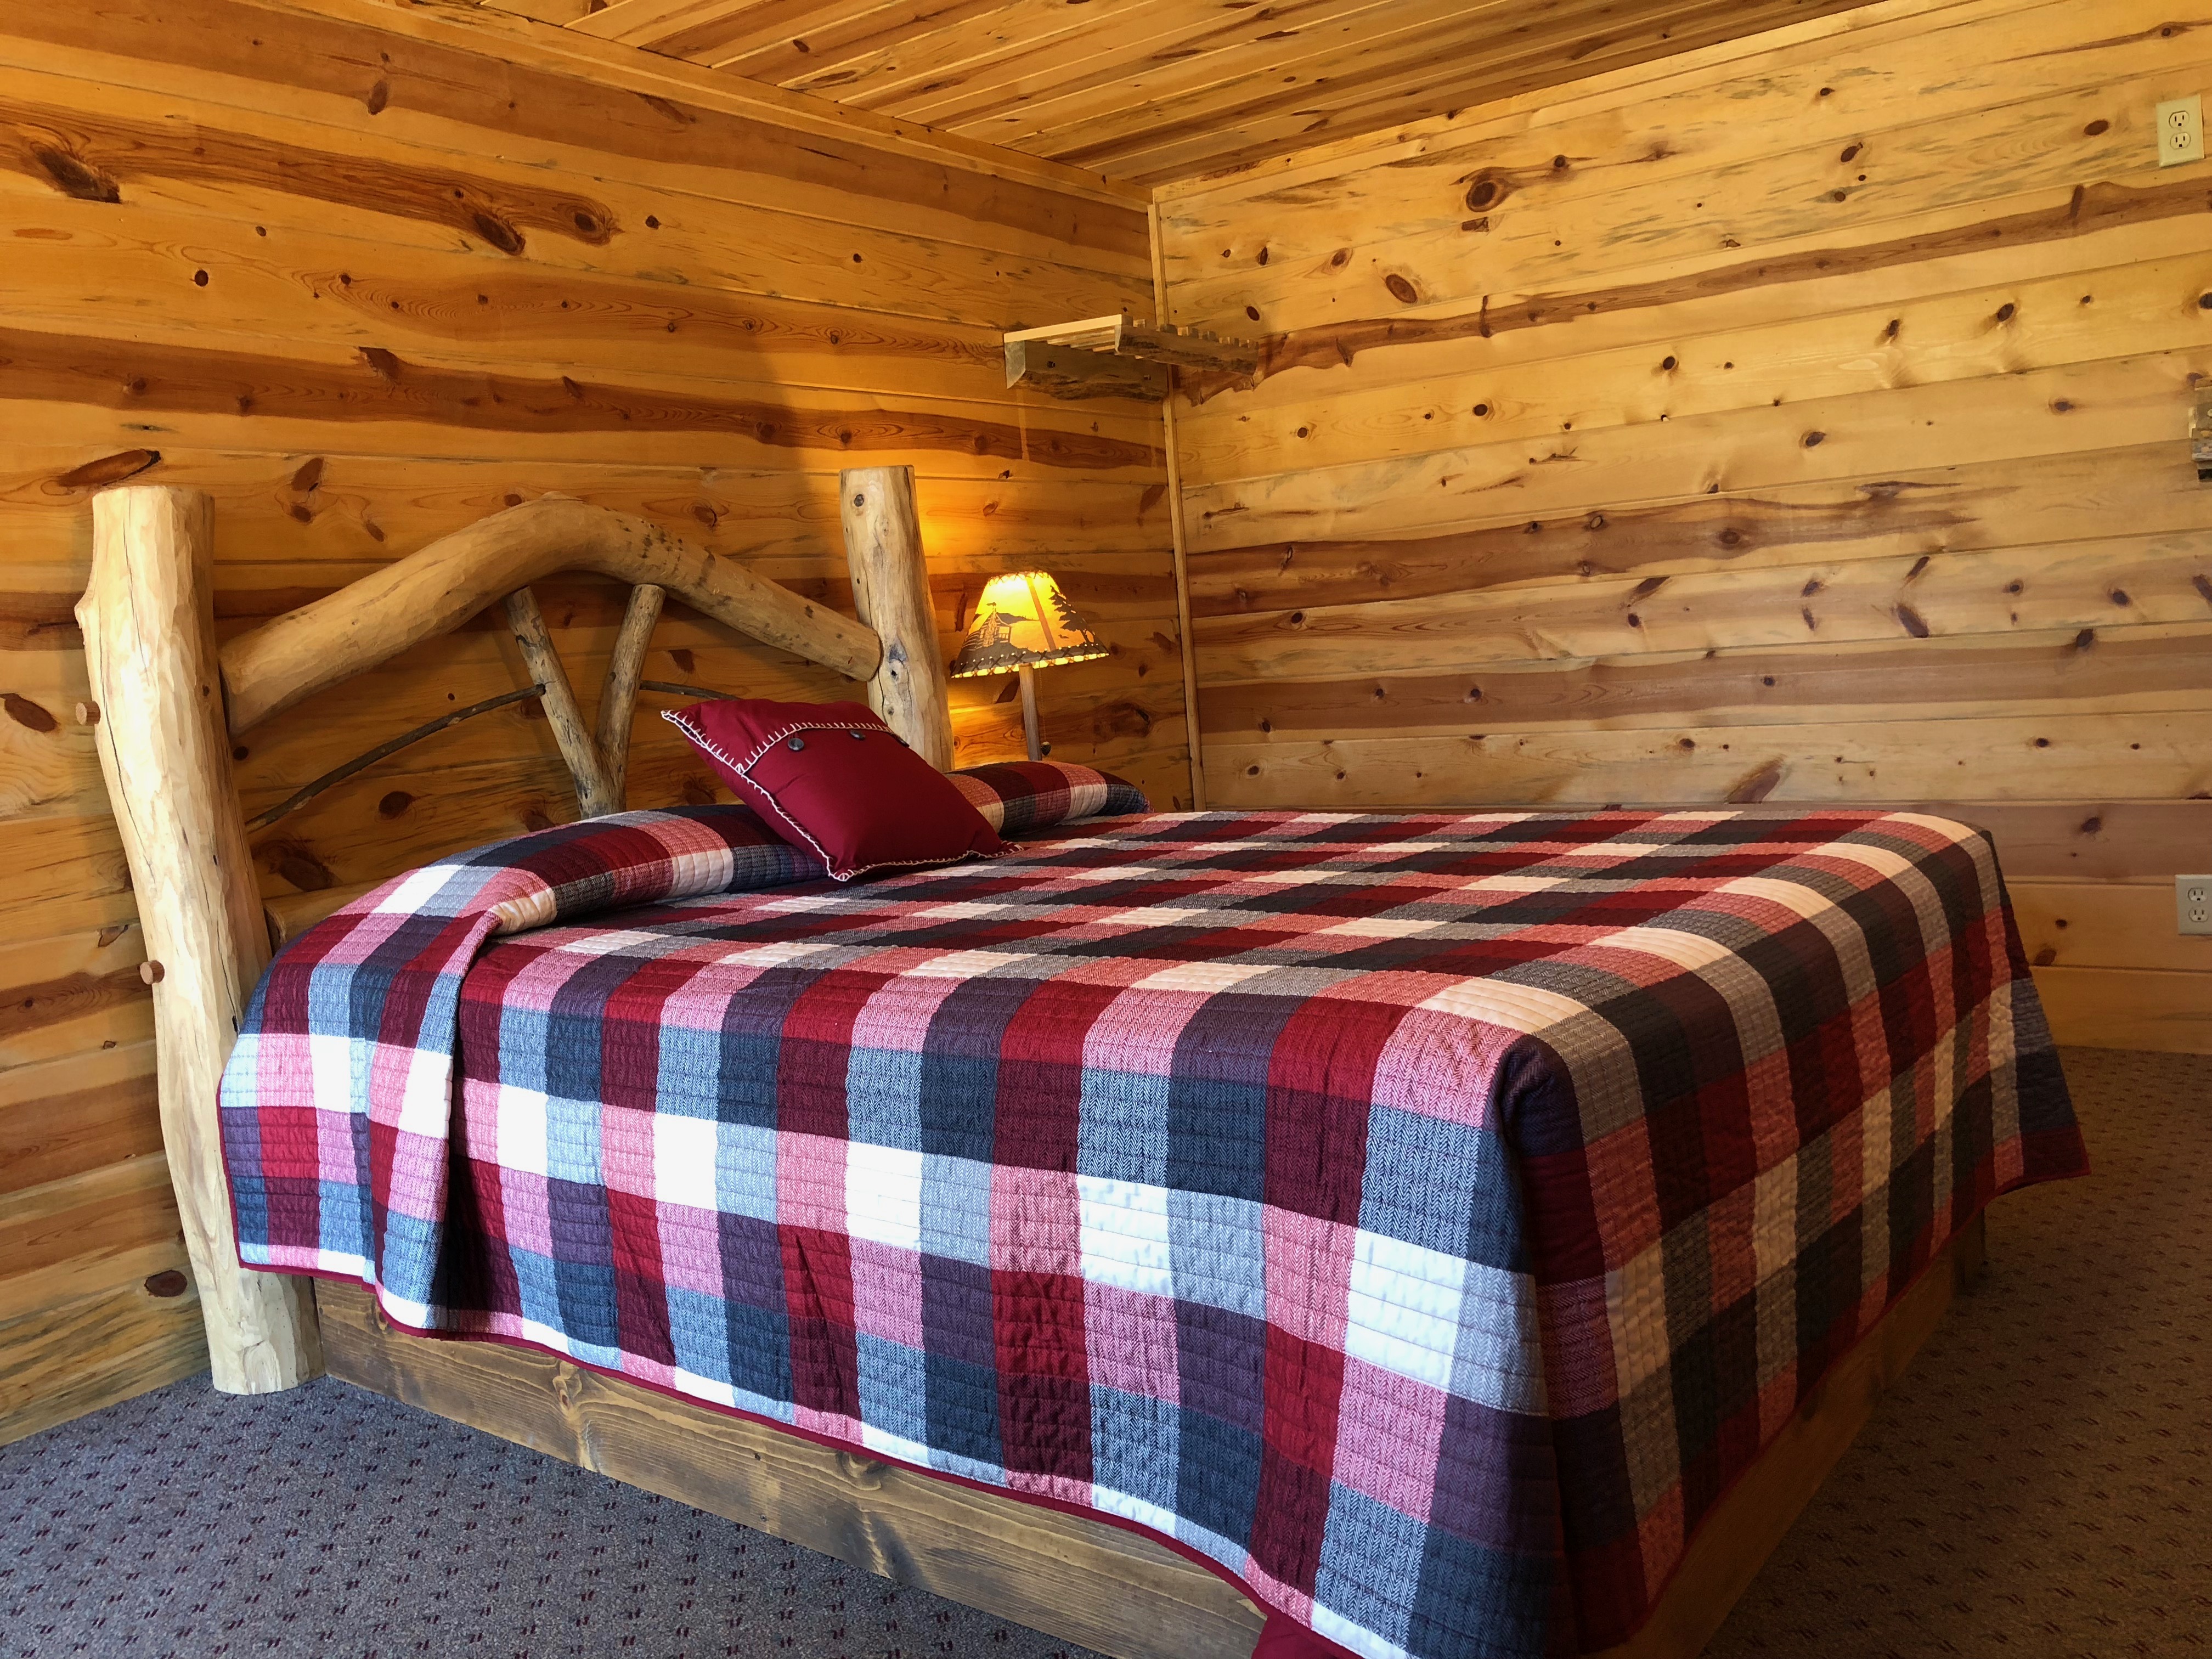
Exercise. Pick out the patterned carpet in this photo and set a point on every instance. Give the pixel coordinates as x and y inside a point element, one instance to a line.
<point>2040,1482</point>
<point>2039,1485</point>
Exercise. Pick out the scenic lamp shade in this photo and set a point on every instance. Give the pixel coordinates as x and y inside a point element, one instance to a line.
<point>1024,623</point>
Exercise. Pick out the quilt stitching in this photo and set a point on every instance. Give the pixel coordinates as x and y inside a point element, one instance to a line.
<point>1424,1219</point>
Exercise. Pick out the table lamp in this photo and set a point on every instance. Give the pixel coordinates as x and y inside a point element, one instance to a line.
<point>1023,622</point>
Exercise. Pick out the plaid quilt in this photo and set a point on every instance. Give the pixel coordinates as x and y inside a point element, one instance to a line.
<point>1423,1219</point>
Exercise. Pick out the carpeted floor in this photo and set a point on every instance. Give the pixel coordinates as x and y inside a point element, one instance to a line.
<point>2040,1484</point>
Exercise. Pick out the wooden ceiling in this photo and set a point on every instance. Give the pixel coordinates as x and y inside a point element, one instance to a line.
<point>1151,90</point>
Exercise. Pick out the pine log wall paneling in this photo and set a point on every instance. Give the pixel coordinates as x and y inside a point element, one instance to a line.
<point>368,273</point>
<point>1804,423</point>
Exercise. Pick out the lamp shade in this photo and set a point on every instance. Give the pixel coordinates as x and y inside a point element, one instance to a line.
<point>1024,621</point>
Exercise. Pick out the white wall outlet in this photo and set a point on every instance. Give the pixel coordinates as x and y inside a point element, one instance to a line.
<point>2192,897</point>
<point>2181,131</point>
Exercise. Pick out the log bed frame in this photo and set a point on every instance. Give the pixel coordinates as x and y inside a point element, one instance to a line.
<point>166,704</point>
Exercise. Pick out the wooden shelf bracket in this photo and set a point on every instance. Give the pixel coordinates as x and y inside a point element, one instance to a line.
<point>1117,356</point>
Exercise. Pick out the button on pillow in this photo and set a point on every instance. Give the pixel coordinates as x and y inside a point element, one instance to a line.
<point>831,777</point>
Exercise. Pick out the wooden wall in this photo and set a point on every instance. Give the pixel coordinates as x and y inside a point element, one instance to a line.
<point>1805,424</point>
<point>369,273</point>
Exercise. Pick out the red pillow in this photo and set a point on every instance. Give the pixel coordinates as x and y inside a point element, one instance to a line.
<point>831,777</point>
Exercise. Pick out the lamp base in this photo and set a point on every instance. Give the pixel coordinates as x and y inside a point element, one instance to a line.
<point>1038,748</point>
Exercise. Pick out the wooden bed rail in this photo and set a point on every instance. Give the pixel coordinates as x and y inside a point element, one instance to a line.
<point>168,702</point>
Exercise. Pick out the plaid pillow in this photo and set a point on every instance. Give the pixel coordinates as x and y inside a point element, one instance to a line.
<point>1021,798</point>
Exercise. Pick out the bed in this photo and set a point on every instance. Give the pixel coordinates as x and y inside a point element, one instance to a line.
<point>1465,1235</point>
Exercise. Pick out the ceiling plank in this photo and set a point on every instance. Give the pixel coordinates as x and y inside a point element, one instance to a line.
<point>1154,91</point>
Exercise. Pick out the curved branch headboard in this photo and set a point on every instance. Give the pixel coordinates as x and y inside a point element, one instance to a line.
<point>434,590</point>
<point>166,702</point>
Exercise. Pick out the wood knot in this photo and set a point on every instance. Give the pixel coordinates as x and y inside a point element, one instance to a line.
<point>866,1472</point>
<point>568,1386</point>
<point>166,1284</point>
<point>1486,191</point>
<point>75,177</point>
<point>24,712</point>
<point>152,972</point>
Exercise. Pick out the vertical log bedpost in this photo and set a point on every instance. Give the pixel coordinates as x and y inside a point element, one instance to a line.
<point>890,592</point>
<point>149,620</point>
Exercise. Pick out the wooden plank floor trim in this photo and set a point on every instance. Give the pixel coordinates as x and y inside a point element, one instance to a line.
<point>2102,924</point>
<point>78,1356</point>
<point>2164,1011</point>
<point>1081,1580</point>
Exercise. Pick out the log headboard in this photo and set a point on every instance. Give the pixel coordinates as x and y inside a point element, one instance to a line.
<point>166,704</point>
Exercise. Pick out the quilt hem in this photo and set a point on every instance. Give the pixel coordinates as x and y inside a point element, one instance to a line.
<point>1296,1641</point>
<point>1282,1638</point>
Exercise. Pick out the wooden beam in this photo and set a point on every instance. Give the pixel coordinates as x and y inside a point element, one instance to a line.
<point>438,587</point>
<point>149,620</point>
<point>890,590</point>
<point>618,695</point>
<point>578,750</point>
<point>1077,371</point>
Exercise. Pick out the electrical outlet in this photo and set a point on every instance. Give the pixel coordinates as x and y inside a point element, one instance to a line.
<point>2192,897</point>
<point>2181,131</point>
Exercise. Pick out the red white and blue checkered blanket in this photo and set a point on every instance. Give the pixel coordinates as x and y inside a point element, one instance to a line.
<point>1424,1219</point>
